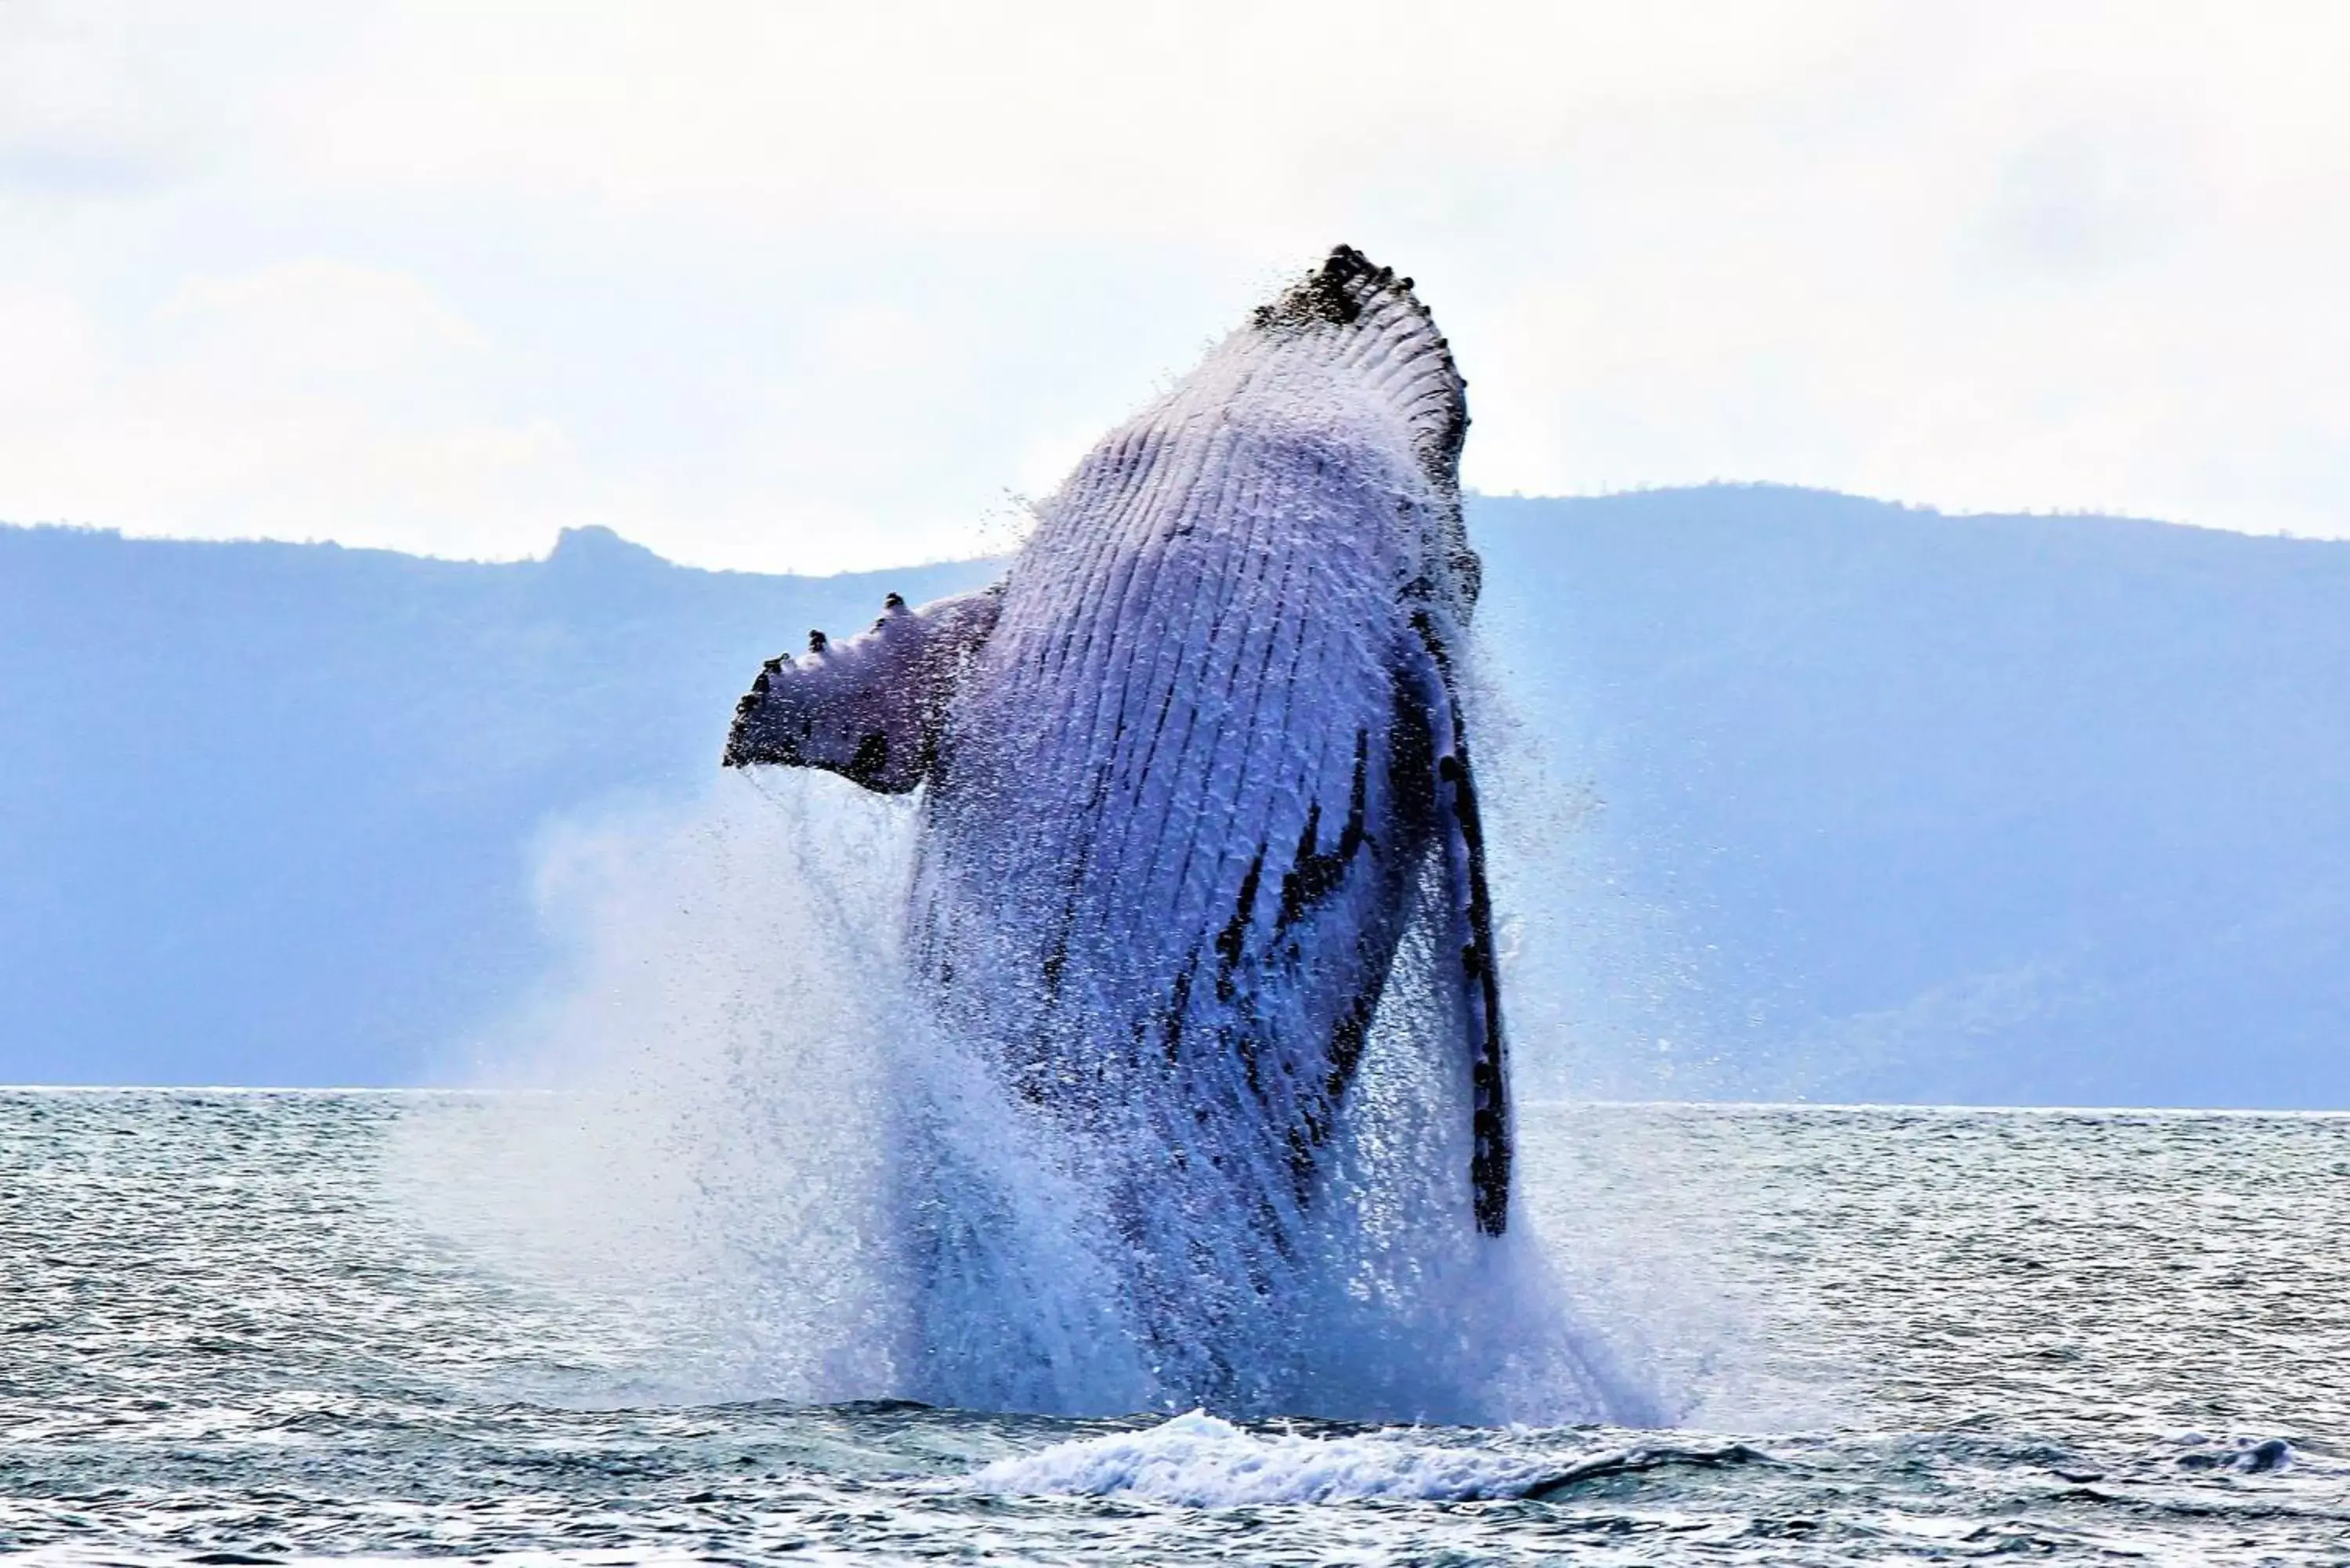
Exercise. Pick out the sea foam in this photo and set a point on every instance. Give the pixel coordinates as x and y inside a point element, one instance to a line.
<point>1198,1460</point>
<point>794,1181</point>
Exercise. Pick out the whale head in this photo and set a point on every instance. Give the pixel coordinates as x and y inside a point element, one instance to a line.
<point>1346,371</point>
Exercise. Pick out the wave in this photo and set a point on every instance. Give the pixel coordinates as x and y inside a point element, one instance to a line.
<point>1198,1460</point>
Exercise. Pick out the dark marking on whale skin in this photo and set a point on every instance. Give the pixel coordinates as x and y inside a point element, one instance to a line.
<point>1179,1001</point>
<point>1325,294</point>
<point>1057,958</point>
<point>1241,1039</point>
<point>1232,941</point>
<point>1346,1041</point>
<point>871,762</point>
<point>1313,877</point>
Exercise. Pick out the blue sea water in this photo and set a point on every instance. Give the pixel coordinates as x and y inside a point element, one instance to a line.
<point>241,1326</point>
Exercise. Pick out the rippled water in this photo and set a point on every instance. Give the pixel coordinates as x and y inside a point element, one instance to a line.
<point>228,1330</point>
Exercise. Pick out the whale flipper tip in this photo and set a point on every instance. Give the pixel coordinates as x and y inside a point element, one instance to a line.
<point>867,706</point>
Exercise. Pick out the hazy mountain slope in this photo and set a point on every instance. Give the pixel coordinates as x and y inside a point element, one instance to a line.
<point>266,810</point>
<point>1829,797</point>
<point>1912,806</point>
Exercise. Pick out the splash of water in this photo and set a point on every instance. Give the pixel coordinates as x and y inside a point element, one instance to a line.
<point>801,1184</point>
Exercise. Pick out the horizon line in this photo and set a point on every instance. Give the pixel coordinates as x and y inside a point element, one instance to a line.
<point>1547,1102</point>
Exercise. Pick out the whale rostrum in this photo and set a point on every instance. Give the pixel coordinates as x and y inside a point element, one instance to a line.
<point>1197,768</point>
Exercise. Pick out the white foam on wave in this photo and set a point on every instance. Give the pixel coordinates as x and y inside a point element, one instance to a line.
<point>1197,1460</point>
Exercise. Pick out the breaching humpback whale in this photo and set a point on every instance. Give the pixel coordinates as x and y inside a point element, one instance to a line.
<point>1196,766</point>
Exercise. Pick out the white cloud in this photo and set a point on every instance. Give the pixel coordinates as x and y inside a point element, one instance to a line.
<point>1213,121</point>
<point>310,319</point>
<point>309,399</point>
<point>794,285</point>
<point>48,364</point>
<point>72,114</point>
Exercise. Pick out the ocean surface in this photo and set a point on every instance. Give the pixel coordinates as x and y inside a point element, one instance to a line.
<point>249,1326</point>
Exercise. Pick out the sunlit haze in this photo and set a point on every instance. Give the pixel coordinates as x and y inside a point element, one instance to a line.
<point>815,288</point>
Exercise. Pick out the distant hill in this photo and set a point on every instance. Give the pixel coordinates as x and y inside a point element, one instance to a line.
<point>1896,805</point>
<point>1799,794</point>
<point>266,811</point>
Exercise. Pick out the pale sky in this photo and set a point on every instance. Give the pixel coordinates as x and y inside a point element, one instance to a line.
<point>787,286</point>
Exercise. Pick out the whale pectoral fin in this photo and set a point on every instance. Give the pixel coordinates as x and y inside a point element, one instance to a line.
<point>1465,928</point>
<point>1472,935</point>
<point>869,707</point>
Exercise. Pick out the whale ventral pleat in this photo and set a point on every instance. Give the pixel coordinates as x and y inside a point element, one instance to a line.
<point>1380,332</point>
